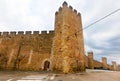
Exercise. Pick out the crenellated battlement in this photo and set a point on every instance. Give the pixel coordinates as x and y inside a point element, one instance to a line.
<point>60,9</point>
<point>75,11</point>
<point>43,32</point>
<point>14,33</point>
<point>104,58</point>
<point>20,32</point>
<point>79,14</point>
<point>36,32</point>
<point>28,32</point>
<point>5,33</point>
<point>90,52</point>
<point>51,32</point>
<point>66,6</point>
<point>71,7</point>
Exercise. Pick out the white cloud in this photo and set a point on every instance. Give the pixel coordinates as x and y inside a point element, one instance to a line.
<point>107,34</point>
<point>17,15</point>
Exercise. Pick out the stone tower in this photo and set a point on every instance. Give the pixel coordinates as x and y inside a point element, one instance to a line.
<point>90,60</point>
<point>114,66</point>
<point>68,43</point>
<point>104,62</point>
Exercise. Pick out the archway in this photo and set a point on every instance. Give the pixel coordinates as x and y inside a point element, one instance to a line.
<point>46,65</point>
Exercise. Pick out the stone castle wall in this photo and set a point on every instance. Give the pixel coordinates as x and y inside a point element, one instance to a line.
<point>62,50</point>
<point>30,50</point>
<point>35,49</point>
<point>91,63</point>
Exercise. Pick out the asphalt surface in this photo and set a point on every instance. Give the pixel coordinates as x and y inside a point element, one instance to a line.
<point>90,75</point>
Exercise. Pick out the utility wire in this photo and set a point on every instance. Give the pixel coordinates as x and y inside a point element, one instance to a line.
<point>99,20</point>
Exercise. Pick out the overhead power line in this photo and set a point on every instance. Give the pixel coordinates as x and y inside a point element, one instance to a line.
<point>98,20</point>
<point>101,19</point>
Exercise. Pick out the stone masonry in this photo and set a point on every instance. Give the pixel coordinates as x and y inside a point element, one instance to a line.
<point>61,49</point>
<point>68,44</point>
<point>25,51</point>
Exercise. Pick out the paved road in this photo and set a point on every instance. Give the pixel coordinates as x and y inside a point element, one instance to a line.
<point>24,76</point>
<point>90,75</point>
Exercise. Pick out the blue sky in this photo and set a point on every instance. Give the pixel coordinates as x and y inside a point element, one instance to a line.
<point>102,38</point>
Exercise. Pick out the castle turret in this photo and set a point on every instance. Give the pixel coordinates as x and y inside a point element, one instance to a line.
<point>114,66</point>
<point>68,43</point>
<point>90,60</point>
<point>104,63</point>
